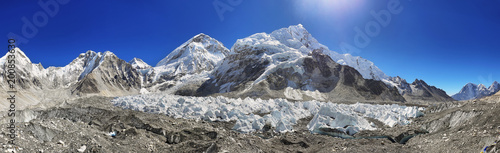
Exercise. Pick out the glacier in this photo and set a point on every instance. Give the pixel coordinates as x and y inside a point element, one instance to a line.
<point>250,115</point>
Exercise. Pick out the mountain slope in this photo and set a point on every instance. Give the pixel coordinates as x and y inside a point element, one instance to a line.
<point>256,57</point>
<point>297,37</point>
<point>105,74</point>
<point>200,53</point>
<point>90,73</point>
<point>473,91</point>
<point>287,63</point>
<point>492,98</point>
<point>137,63</point>
<point>189,63</point>
<point>419,90</point>
<point>283,65</point>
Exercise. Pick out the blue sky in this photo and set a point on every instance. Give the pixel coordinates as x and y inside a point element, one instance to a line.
<point>447,44</point>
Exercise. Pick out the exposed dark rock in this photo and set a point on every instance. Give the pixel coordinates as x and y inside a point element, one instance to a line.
<point>321,73</point>
<point>419,90</point>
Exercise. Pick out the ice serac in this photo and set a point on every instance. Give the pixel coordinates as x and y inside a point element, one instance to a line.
<point>290,63</point>
<point>472,91</point>
<point>193,60</point>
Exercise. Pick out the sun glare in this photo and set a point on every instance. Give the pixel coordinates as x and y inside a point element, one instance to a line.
<point>329,7</point>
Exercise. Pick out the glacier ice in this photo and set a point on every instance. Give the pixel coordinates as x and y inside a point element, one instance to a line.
<point>252,114</point>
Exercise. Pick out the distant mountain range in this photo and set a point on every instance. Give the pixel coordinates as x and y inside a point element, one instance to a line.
<point>288,63</point>
<point>473,91</point>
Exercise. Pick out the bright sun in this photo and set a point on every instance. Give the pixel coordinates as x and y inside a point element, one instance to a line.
<point>329,7</point>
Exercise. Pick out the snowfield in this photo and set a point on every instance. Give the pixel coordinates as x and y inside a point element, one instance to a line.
<point>279,113</point>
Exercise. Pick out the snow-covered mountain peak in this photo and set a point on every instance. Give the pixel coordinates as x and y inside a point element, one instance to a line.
<point>285,47</point>
<point>473,91</point>
<point>494,88</point>
<point>200,38</point>
<point>471,85</point>
<point>367,68</point>
<point>494,85</point>
<point>109,53</point>
<point>297,36</point>
<point>200,46</point>
<point>481,87</point>
<point>419,82</point>
<point>92,60</point>
<point>137,63</point>
<point>20,57</point>
<point>398,79</point>
<point>23,63</point>
<point>296,40</point>
<point>199,54</point>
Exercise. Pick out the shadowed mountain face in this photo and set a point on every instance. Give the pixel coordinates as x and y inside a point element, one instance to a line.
<point>492,98</point>
<point>289,63</point>
<point>279,60</point>
<point>473,91</point>
<point>315,76</point>
<point>419,90</point>
<point>187,63</point>
<point>423,91</point>
<point>90,73</point>
<point>110,77</point>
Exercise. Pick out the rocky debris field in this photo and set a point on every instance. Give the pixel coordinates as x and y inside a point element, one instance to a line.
<point>95,125</point>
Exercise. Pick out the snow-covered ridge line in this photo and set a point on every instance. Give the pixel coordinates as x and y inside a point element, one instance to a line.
<point>138,63</point>
<point>476,91</point>
<point>280,113</point>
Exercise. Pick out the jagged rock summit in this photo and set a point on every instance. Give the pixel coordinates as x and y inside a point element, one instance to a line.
<point>419,90</point>
<point>200,53</point>
<point>137,63</point>
<point>473,91</point>
<point>91,73</point>
<point>188,63</point>
<point>106,74</point>
<point>493,98</point>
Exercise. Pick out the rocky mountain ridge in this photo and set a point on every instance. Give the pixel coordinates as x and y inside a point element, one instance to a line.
<point>419,90</point>
<point>473,91</point>
<point>287,63</point>
<point>91,73</point>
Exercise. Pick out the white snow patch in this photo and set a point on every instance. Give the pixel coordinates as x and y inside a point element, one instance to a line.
<point>144,91</point>
<point>292,94</point>
<point>82,149</point>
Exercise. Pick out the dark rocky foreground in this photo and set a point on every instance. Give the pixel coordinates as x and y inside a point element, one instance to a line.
<point>85,124</point>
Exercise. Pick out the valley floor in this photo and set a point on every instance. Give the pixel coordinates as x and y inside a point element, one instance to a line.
<point>84,125</point>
